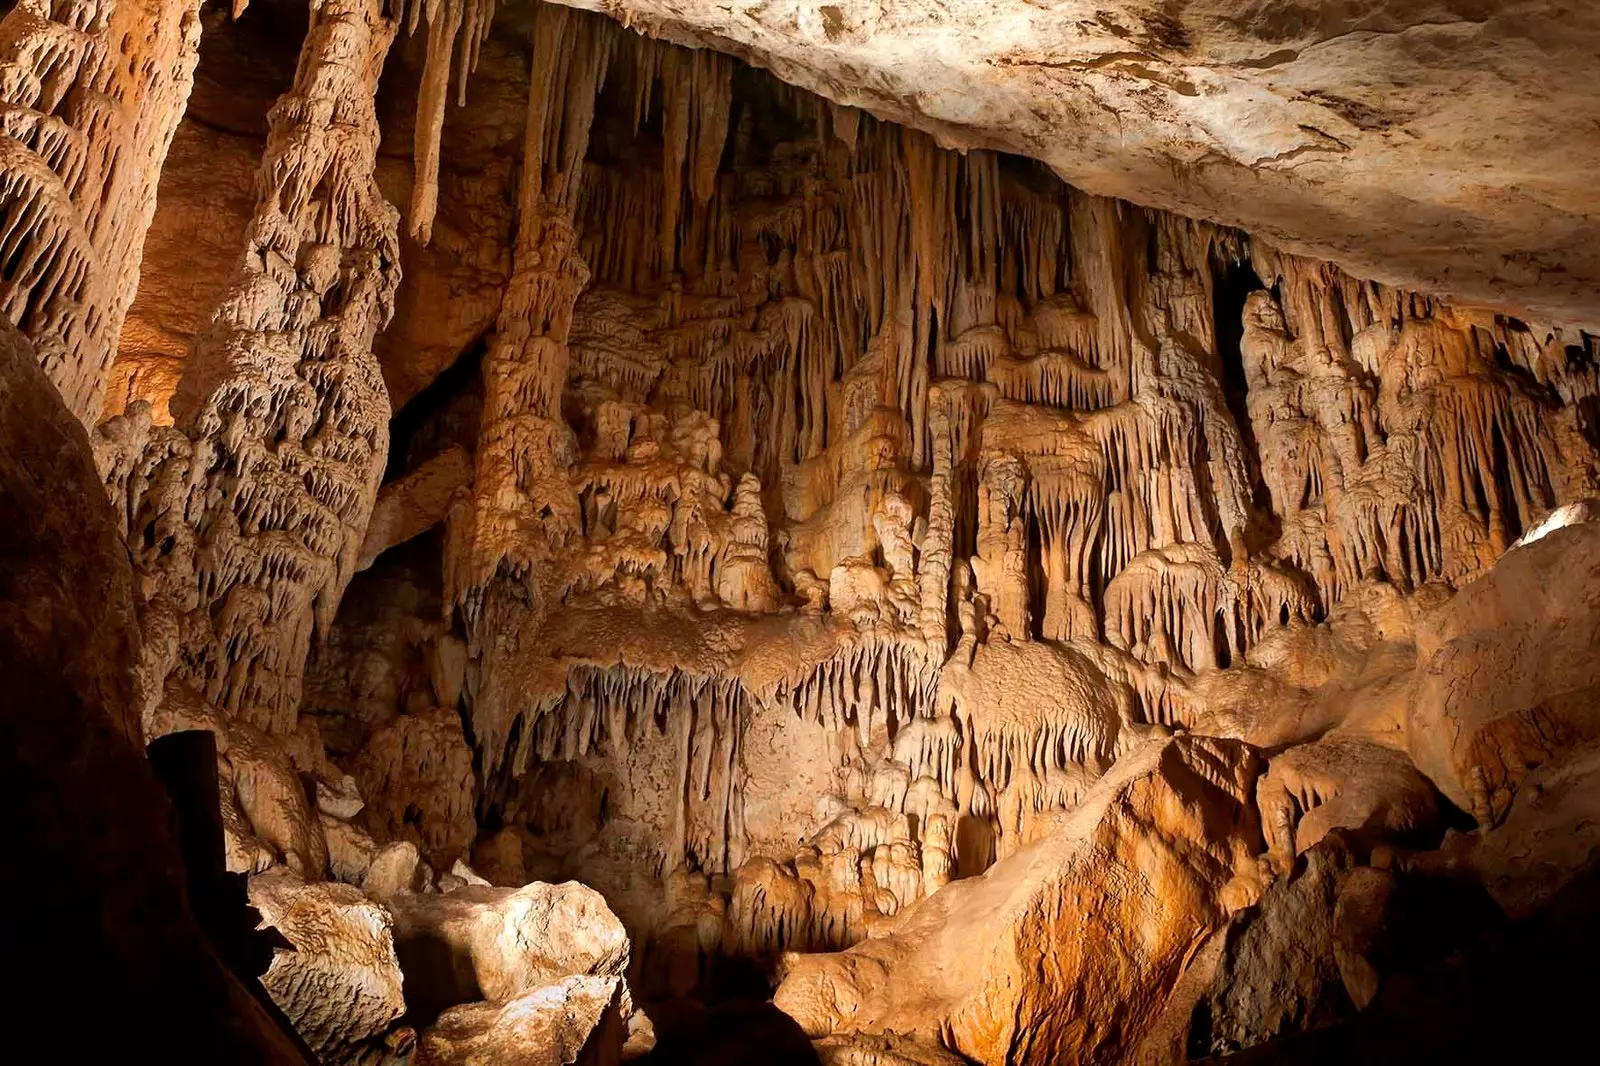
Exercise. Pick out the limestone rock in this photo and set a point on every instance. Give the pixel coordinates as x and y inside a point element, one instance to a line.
<point>1507,680</point>
<point>1153,859</point>
<point>468,876</point>
<point>1549,837</point>
<point>267,815</point>
<point>415,503</point>
<point>341,983</point>
<point>496,944</point>
<point>79,192</point>
<point>1341,782</point>
<point>416,776</point>
<point>811,536</point>
<point>1324,116</point>
<point>342,801</point>
<point>293,332</point>
<point>395,869</point>
<point>350,850</point>
<point>573,1022</point>
<point>1278,973</point>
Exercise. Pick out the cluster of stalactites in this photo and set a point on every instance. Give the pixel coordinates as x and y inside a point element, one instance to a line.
<point>456,31</point>
<point>1181,607</point>
<point>932,361</point>
<point>606,712</point>
<point>523,510</point>
<point>90,96</point>
<point>258,499</point>
<point>1393,441</point>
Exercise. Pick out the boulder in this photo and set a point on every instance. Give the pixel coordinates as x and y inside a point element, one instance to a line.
<point>1550,836</point>
<point>1064,951</point>
<point>1341,782</point>
<point>396,868</point>
<point>350,849</point>
<point>1326,942</point>
<point>267,815</point>
<point>1277,973</point>
<point>341,983</point>
<point>497,943</point>
<point>575,1022</point>
<point>1507,676</point>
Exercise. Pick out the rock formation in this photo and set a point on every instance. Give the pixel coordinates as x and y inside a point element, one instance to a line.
<point>718,545</point>
<point>91,815</point>
<point>91,93</point>
<point>1150,861</point>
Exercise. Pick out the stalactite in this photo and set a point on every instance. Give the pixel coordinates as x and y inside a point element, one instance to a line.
<point>443,28</point>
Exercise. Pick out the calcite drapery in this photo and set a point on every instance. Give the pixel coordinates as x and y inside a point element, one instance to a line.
<point>90,96</point>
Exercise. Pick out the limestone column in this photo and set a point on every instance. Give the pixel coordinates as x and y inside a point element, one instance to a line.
<point>91,93</point>
<point>247,516</point>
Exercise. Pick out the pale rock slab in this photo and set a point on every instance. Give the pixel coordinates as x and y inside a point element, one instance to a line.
<point>396,868</point>
<point>495,943</point>
<point>341,983</point>
<point>575,1022</point>
<point>1507,677</point>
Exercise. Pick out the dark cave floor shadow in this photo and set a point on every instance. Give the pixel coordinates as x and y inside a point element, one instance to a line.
<point>732,1033</point>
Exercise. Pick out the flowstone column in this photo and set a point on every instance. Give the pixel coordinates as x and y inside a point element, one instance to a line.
<point>524,510</point>
<point>247,516</point>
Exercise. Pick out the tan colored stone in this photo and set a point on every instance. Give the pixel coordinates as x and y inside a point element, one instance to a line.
<point>1507,678</point>
<point>574,1022</point>
<point>1156,856</point>
<point>341,983</point>
<point>395,869</point>
<point>496,944</point>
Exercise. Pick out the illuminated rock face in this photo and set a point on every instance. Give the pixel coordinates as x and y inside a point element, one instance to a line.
<point>872,569</point>
<point>1011,966</point>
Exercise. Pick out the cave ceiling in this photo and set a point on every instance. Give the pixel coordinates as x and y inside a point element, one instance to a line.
<point>1445,145</point>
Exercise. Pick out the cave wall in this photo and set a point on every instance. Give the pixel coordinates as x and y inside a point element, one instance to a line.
<point>768,516</point>
<point>920,482</point>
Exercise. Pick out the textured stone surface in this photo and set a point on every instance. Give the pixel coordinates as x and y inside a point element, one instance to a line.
<point>1342,782</point>
<point>92,94</point>
<point>1150,861</point>
<point>1277,973</point>
<point>1507,676</point>
<point>205,199</point>
<point>1442,144</point>
<point>340,984</point>
<point>497,943</point>
<point>573,1022</point>
<point>89,814</point>
<point>1550,836</point>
